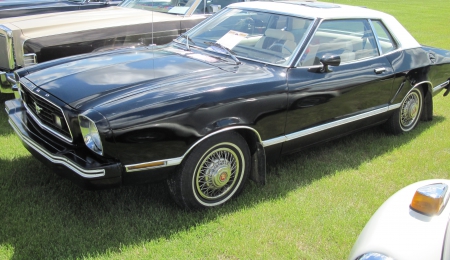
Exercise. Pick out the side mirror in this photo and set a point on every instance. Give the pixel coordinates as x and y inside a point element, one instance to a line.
<point>329,60</point>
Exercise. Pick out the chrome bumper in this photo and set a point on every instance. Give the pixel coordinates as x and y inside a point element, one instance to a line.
<point>7,82</point>
<point>78,166</point>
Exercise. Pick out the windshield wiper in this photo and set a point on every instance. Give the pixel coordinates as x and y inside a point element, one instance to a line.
<point>188,48</point>
<point>227,51</point>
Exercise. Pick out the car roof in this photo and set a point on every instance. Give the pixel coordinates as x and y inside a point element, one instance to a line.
<point>314,9</point>
<point>322,10</point>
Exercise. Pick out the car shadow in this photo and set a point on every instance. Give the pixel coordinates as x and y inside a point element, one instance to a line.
<point>46,216</point>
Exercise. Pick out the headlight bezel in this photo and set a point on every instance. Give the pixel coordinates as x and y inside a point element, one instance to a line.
<point>91,135</point>
<point>373,256</point>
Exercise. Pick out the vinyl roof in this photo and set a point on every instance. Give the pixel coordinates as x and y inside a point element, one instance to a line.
<point>321,10</point>
<point>313,9</point>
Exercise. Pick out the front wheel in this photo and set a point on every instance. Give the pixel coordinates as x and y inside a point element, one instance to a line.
<point>407,116</point>
<point>213,172</point>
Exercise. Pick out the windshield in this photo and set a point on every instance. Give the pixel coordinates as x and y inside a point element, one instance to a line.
<point>163,6</point>
<point>266,37</point>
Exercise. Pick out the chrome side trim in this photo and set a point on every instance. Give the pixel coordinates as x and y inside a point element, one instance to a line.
<point>327,126</point>
<point>395,106</point>
<point>441,86</point>
<point>420,83</point>
<point>274,141</point>
<point>266,143</point>
<point>57,159</point>
<point>323,127</point>
<point>178,160</point>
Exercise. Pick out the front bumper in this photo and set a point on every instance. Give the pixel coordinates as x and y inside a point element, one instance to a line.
<point>71,162</point>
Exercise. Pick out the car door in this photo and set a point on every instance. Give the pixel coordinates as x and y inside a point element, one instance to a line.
<point>323,102</point>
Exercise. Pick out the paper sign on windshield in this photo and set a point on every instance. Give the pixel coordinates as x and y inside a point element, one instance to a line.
<point>232,38</point>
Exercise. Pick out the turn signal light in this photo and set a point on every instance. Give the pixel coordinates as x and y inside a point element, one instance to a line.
<point>144,166</point>
<point>430,199</point>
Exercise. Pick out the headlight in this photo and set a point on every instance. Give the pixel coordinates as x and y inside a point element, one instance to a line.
<point>373,256</point>
<point>90,134</point>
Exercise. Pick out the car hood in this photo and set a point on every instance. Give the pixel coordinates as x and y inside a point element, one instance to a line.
<point>23,3</point>
<point>91,77</point>
<point>34,26</point>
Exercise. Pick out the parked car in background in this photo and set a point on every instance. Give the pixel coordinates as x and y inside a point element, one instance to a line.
<point>413,224</point>
<point>28,40</point>
<point>13,8</point>
<point>254,81</point>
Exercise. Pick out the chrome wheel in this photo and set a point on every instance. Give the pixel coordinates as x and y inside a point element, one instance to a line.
<point>410,110</point>
<point>214,172</point>
<point>217,173</point>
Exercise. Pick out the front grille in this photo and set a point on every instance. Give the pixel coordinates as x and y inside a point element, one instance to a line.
<point>49,116</point>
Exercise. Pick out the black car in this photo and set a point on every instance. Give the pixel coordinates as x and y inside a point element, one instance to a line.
<point>13,8</point>
<point>255,81</point>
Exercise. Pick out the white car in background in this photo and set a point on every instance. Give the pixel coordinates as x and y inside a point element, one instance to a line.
<point>412,224</point>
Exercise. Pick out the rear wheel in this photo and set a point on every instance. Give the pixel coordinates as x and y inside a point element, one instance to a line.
<point>407,116</point>
<point>213,172</point>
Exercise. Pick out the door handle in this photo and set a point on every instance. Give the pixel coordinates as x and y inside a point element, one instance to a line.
<point>379,70</point>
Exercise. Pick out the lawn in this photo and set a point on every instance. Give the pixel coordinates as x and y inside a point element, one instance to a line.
<point>314,205</point>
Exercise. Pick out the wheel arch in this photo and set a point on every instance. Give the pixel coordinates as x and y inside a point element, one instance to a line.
<point>194,182</point>
<point>427,90</point>
<point>258,155</point>
<point>427,109</point>
<point>254,142</point>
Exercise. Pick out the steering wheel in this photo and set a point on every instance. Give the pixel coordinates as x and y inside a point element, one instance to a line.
<point>245,25</point>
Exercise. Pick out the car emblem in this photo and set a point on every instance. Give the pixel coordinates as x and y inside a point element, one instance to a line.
<point>37,108</point>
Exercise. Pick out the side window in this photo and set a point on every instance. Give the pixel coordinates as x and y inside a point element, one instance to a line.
<point>350,39</point>
<point>385,39</point>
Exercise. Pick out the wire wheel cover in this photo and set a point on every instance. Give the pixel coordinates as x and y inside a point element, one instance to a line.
<point>410,110</point>
<point>217,174</point>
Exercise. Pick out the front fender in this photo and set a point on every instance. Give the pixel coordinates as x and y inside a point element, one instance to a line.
<point>166,123</point>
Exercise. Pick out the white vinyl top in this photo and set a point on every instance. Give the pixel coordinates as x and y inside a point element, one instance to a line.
<point>322,10</point>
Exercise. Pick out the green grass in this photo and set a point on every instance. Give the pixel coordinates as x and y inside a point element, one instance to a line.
<point>313,207</point>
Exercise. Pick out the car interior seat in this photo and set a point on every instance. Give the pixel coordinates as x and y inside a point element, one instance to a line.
<point>277,40</point>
